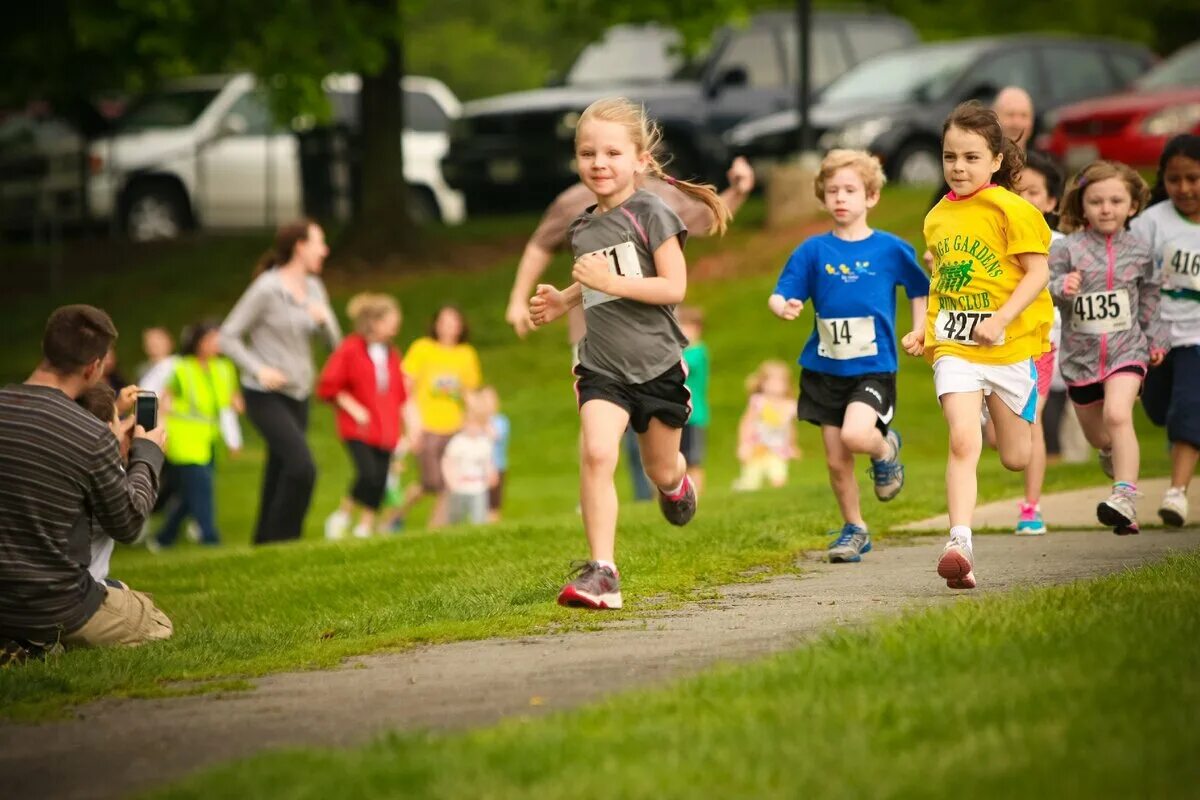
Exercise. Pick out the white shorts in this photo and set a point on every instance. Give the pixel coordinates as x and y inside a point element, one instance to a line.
<point>1014,384</point>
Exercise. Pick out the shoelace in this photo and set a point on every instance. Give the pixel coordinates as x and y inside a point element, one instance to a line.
<point>845,536</point>
<point>580,568</point>
<point>883,471</point>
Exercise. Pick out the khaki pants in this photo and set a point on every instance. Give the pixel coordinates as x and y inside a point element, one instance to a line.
<point>125,618</point>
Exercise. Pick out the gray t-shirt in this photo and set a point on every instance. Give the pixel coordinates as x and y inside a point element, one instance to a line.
<point>627,340</point>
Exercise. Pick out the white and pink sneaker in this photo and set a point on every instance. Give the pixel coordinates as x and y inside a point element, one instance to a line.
<point>955,565</point>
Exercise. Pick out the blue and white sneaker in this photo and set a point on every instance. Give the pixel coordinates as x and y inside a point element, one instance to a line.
<point>888,474</point>
<point>850,545</point>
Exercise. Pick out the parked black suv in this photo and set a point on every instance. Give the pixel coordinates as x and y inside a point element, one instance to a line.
<point>894,104</point>
<point>516,150</point>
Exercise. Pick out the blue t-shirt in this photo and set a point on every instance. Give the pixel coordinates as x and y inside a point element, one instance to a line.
<point>849,284</point>
<point>502,428</point>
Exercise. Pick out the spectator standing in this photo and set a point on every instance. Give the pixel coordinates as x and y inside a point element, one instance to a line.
<point>467,466</point>
<point>501,430</point>
<point>60,462</point>
<point>269,336</point>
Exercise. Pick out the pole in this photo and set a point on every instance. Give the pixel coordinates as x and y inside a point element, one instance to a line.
<point>804,141</point>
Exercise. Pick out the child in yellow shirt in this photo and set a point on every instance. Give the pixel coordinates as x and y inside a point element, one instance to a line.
<point>989,313</point>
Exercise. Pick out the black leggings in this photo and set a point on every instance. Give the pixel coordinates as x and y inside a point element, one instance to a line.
<point>290,474</point>
<point>371,465</point>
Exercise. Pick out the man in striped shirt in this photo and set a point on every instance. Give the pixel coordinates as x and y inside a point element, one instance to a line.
<point>58,464</point>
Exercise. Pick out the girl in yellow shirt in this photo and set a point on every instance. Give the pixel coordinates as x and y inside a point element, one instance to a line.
<point>989,313</point>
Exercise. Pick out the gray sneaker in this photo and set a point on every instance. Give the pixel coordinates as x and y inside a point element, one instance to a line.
<point>681,510</point>
<point>593,586</point>
<point>851,544</point>
<point>1119,512</point>
<point>888,474</point>
<point>1106,462</point>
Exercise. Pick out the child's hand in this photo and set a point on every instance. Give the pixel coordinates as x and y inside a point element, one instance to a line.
<point>914,342</point>
<point>1072,282</point>
<point>592,271</point>
<point>785,309</point>
<point>988,332</point>
<point>1157,354</point>
<point>928,259</point>
<point>546,305</point>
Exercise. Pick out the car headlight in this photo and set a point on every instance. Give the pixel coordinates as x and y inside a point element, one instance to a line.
<point>1172,120</point>
<point>857,135</point>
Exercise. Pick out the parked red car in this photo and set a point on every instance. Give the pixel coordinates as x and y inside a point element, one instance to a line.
<point>1132,126</point>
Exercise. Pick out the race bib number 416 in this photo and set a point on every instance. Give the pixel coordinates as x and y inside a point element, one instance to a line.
<point>1181,269</point>
<point>843,338</point>
<point>1101,312</point>
<point>958,326</point>
<point>622,260</point>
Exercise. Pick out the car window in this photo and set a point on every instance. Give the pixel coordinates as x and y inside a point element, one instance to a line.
<point>629,53</point>
<point>169,109</point>
<point>1129,65</point>
<point>1001,68</point>
<point>422,113</point>
<point>1076,73</point>
<point>828,55</point>
<point>252,107</point>
<point>902,75</point>
<point>1180,70</point>
<point>869,38</point>
<point>754,51</point>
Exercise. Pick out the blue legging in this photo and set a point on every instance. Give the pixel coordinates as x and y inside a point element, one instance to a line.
<point>194,498</point>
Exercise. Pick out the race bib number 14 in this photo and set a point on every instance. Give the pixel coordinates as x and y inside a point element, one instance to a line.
<point>844,338</point>
<point>957,326</point>
<point>622,260</point>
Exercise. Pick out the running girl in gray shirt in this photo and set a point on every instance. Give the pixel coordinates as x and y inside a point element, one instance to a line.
<point>630,274</point>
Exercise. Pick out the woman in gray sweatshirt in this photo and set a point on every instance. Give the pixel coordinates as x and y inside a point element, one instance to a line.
<point>269,336</point>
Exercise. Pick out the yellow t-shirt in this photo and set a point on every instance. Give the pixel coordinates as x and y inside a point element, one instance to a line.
<point>975,243</point>
<point>441,376</point>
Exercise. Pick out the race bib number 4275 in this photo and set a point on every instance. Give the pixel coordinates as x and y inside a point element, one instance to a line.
<point>623,261</point>
<point>958,326</point>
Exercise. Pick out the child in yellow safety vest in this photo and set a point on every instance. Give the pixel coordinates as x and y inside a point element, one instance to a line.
<point>198,401</point>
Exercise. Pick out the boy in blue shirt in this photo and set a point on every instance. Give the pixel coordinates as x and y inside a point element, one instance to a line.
<point>848,377</point>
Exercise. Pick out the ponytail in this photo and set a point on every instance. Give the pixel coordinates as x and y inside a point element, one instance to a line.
<point>286,238</point>
<point>1010,168</point>
<point>704,192</point>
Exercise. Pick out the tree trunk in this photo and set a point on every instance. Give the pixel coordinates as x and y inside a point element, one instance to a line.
<point>381,225</point>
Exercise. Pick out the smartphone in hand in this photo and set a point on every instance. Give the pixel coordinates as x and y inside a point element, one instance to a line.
<point>146,410</point>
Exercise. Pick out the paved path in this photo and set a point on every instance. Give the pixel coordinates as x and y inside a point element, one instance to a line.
<point>1061,510</point>
<point>114,747</point>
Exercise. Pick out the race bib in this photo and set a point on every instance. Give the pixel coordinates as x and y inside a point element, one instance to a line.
<point>843,338</point>
<point>1101,312</point>
<point>1181,269</point>
<point>622,260</point>
<point>957,326</point>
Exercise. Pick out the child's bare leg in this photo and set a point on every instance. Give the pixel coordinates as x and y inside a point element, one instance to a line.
<point>840,461</point>
<point>961,410</point>
<point>665,466</point>
<point>366,518</point>
<point>1120,393</point>
<point>1035,473</point>
<point>860,433</point>
<point>602,424</point>
<point>1091,421</point>
<point>1184,458</point>
<point>1014,436</point>
<point>696,473</point>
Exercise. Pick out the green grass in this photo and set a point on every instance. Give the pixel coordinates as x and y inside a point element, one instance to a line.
<point>243,612</point>
<point>1087,690</point>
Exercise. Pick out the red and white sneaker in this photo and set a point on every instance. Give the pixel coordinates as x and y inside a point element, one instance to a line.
<point>594,586</point>
<point>955,565</point>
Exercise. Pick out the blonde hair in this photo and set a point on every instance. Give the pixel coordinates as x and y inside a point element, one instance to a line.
<point>1073,219</point>
<point>647,137</point>
<point>867,165</point>
<point>367,308</point>
<point>756,379</point>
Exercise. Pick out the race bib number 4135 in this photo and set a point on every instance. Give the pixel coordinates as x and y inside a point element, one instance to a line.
<point>958,326</point>
<point>623,261</point>
<point>1101,312</point>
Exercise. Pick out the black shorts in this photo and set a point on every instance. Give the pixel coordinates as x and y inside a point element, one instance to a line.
<point>664,397</point>
<point>1089,394</point>
<point>694,444</point>
<point>824,397</point>
<point>1171,395</point>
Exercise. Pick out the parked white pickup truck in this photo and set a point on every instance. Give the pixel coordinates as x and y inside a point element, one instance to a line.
<point>206,152</point>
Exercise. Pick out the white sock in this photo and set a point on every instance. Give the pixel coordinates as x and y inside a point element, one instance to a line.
<point>674,492</point>
<point>962,534</point>
<point>610,564</point>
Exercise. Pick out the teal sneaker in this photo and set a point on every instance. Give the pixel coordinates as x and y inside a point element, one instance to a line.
<point>888,474</point>
<point>1029,520</point>
<point>850,545</point>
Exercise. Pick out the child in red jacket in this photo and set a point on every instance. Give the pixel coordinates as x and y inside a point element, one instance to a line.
<point>364,381</point>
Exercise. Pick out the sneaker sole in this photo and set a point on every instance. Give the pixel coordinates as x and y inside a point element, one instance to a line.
<point>1171,517</point>
<point>1113,518</point>
<point>570,597</point>
<point>956,570</point>
<point>1030,532</point>
<point>850,559</point>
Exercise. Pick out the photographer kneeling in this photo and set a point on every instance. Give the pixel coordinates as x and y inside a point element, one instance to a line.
<point>60,462</point>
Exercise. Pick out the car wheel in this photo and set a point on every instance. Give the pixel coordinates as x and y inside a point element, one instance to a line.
<point>422,208</point>
<point>155,212</point>
<point>919,163</point>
